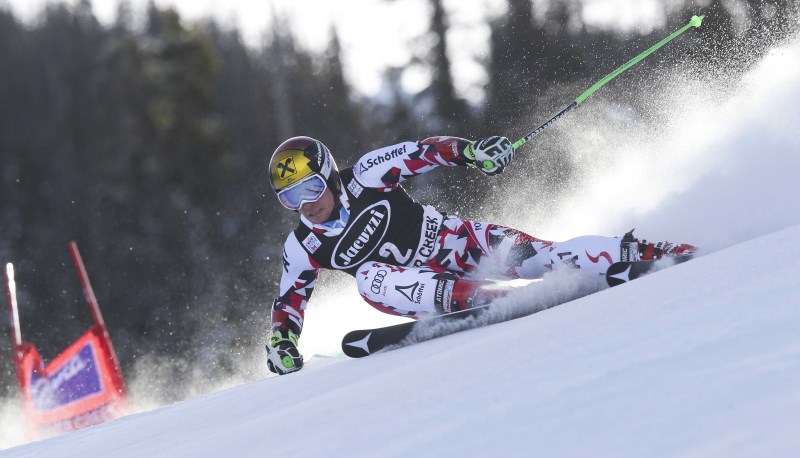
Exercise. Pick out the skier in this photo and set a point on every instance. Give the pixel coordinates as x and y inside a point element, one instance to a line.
<point>408,259</point>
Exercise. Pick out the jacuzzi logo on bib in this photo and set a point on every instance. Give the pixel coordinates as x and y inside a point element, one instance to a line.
<point>363,236</point>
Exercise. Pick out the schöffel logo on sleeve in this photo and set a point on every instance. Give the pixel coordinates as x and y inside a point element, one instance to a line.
<point>380,157</point>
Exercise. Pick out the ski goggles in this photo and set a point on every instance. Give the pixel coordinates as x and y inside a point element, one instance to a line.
<point>309,189</point>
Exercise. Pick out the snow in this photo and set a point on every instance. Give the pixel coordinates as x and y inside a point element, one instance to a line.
<point>700,359</point>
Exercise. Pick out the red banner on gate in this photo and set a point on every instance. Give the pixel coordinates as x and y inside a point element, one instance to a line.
<point>82,386</point>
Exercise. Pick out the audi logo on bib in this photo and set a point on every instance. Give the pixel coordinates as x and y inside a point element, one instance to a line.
<point>363,236</point>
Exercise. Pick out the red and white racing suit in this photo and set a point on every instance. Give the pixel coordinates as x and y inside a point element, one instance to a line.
<point>409,259</point>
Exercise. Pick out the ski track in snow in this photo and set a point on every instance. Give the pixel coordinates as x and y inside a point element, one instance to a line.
<point>702,359</point>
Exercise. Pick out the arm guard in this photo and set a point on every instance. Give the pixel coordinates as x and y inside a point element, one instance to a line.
<point>298,279</point>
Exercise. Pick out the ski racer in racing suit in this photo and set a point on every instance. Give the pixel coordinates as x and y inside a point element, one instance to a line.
<point>408,259</point>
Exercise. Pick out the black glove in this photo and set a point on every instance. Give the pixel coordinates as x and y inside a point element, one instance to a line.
<point>282,354</point>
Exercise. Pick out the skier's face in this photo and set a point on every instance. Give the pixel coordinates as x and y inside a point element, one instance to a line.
<point>319,211</point>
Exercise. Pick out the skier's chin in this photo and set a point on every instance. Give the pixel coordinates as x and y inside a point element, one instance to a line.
<point>319,211</point>
<point>318,216</point>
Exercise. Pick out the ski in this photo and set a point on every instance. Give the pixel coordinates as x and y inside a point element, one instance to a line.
<point>623,272</point>
<point>364,342</point>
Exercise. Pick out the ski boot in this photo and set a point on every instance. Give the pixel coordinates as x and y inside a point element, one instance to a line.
<point>469,294</point>
<point>632,249</point>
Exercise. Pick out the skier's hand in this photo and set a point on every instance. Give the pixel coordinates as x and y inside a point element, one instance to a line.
<point>282,354</point>
<point>491,155</point>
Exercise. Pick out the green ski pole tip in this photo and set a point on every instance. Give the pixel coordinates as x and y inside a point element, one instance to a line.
<point>696,21</point>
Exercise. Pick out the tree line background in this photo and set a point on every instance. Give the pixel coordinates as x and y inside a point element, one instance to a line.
<point>148,146</point>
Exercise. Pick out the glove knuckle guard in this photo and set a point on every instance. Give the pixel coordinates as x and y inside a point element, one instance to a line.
<point>282,354</point>
<point>493,154</point>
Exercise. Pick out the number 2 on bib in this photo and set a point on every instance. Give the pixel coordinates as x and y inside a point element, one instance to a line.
<point>390,248</point>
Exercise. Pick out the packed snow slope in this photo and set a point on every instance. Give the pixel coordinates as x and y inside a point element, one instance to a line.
<point>700,359</point>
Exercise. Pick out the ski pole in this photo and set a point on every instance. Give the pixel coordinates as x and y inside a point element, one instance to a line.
<point>695,22</point>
